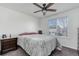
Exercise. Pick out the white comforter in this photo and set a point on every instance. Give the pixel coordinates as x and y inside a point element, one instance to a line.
<point>37,45</point>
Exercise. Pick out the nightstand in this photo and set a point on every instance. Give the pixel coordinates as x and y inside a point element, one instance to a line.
<point>8,44</point>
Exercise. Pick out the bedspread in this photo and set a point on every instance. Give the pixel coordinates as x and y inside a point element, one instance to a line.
<point>37,45</point>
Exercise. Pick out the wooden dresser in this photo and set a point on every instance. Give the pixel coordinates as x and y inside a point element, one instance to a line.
<point>8,44</point>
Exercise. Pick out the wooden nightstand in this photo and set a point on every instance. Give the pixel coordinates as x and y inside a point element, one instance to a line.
<point>8,44</point>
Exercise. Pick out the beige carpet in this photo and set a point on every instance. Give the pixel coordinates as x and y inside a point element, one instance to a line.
<point>18,52</point>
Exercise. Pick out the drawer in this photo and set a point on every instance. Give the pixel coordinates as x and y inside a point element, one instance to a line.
<point>8,40</point>
<point>8,46</point>
<point>9,43</point>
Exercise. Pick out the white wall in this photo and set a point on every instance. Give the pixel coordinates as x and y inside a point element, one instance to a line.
<point>73,19</point>
<point>13,22</point>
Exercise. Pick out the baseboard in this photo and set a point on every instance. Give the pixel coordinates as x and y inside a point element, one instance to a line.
<point>70,48</point>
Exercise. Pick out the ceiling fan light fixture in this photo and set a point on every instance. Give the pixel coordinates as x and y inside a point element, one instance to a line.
<point>44,12</point>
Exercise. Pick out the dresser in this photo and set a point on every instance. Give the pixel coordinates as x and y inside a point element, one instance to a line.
<point>8,44</point>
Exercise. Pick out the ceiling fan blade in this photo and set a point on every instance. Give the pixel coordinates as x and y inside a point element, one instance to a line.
<point>54,10</point>
<point>49,5</point>
<point>38,5</point>
<point>37,11</point>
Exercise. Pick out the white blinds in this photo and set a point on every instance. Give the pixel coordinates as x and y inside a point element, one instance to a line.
<point>60,24</point>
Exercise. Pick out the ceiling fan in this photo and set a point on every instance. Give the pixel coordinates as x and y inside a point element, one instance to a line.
<point>44,8</point>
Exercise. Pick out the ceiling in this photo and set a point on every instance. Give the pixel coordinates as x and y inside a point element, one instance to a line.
<point>29,8</point>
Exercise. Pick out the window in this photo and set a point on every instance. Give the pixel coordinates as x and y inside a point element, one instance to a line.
<point>59,24</point>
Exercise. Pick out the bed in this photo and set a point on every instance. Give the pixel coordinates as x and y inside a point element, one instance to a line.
<point>37,45</point>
